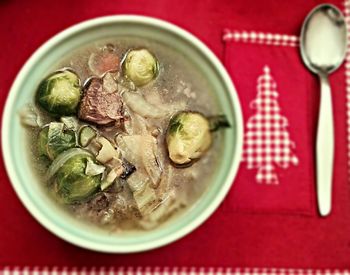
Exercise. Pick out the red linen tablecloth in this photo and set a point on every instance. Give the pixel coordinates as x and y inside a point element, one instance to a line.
<point>240,233</point>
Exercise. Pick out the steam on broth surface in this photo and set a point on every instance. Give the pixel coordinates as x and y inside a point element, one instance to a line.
<point>125,133</point>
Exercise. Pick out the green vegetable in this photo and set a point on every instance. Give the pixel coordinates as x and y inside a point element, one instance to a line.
<point>42,142</point>
<point>86,134</point>
<point>140,66</point>
<point>70,122</point>
<point>71,182</point>
<point>54,139</point>
<point>62,159</point>
<point>59,94</point>
<point>217,122</point>
<point>188,137</point>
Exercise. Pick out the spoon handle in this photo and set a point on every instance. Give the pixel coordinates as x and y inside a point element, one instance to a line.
<point>325,148</point>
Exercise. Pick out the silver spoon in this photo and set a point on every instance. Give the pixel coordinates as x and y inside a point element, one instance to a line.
<point>323,46</point>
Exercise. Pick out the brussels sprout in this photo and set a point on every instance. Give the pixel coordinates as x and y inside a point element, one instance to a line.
<point>188,137</point>
<point>54,139</point>
<point>140,66</point>
<point>71,182</point>
<point>70,122</point>
<point>62,159</point>
<point>59,93</point>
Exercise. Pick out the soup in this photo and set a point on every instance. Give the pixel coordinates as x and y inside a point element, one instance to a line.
<point>125,133</point>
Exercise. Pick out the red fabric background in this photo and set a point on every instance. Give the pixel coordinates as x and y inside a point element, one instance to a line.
<point>226,239</point>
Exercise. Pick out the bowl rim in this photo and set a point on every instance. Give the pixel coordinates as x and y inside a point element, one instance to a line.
<point>85,25</point>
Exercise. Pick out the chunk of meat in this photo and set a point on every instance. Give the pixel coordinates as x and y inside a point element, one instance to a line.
<point>99,106</point>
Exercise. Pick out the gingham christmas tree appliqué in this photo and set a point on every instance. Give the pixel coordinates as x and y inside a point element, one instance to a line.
<point>267,144</point>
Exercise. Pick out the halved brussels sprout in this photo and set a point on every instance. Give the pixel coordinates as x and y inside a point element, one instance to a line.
<point>140,66</point>
<point>72,184</point>
<point>54,139</point>
<point>188,137</point>
<point>59,93</point>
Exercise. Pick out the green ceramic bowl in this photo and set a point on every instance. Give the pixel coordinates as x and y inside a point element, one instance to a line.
<point>30,191</point>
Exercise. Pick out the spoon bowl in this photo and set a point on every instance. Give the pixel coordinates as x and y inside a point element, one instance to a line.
<point>324,39</point>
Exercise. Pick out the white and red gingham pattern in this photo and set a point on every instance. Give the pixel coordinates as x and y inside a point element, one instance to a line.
<point>293,41</point>
<point>45,270</point>
<point>266,141</point>
<point>274,39</point>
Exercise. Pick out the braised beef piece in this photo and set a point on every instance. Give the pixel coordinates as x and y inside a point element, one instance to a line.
<point>100,106</point>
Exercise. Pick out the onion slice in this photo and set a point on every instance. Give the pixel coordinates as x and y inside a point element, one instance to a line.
<point>62,158</point>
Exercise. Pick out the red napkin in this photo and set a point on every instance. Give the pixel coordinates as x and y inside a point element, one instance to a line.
<point>279,100</point>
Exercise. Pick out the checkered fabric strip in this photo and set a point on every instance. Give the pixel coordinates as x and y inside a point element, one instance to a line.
<point>274,39</point>
<point>165,271</point>
<point>347,77</point>
<point>266,141</point>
